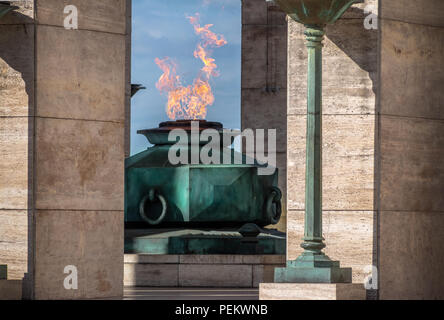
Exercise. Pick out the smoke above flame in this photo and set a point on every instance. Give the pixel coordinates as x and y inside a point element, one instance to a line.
<point>191,102</point>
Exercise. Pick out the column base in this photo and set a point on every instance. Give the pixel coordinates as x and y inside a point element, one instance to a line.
<point>312,291</point>
<point>313,268</point>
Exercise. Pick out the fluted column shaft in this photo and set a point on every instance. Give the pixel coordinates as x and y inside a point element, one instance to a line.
<point>313,240</point>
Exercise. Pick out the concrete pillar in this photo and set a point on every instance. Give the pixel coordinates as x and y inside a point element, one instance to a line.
<point>411,139</point>
<point>349,109</point>
<point>264,78</point>
<point>63,131</point>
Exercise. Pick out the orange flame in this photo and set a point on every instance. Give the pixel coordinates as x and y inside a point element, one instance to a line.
<point>191,102</point>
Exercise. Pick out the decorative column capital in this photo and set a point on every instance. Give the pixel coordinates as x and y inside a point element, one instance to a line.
<point>314,36</point>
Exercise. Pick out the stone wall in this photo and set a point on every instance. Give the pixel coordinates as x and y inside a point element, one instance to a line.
<point>16,142</point>
<point>349,119</point>
<point>64,95</point>
<point>264,78</point>
<point>411,139</point>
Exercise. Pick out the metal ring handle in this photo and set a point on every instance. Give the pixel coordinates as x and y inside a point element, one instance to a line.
<point>274,197</point>
<point>151,196</point>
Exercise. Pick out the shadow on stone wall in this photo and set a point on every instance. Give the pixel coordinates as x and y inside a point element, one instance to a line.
<point>361,45</point>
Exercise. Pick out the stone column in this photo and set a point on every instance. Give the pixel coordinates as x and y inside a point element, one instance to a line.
<point>66,127</point>
<point>411,152</point>
<point>264,79</point>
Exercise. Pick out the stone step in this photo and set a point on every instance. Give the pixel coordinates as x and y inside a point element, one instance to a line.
<point>10,289</point>
<point>235,271</point>
<point>312,291</point>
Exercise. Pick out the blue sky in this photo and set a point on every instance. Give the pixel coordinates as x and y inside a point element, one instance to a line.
<point>160,29</point>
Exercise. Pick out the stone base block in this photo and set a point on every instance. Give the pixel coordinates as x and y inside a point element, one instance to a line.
<point>241,271</point>
<point>3,272</point>
<point>313,275</point>
<point>312,291</point>
<point>10,289</point>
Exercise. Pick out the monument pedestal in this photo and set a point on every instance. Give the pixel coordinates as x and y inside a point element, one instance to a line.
<point>224,270</point>
<point>312,291</point>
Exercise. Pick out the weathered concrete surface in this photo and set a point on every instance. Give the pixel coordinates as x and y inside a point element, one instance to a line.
<point>107,16</point>
<point>311,291</point>
<point>411,220</point>
<point>92,241</point>
<point>254,56</point>
<point>266,115</point>
<point>92,90</point>
<point>264,77</point>
<point>426,12</point>
<point>254,12</point>
<point>411,58</point>
<point>79,171</point>
<point>411,255</point>
<point>412,167</point>
<point>74,125</point>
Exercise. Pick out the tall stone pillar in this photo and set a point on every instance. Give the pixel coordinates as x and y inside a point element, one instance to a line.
<point>411,152</point>
<point>264,79</point>
<point>63,99</point>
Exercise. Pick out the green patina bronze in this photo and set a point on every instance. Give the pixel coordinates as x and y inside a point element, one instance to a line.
<point>5,7</point>
<point>313,266</point>
<point>202,242</point>
<point>160,194</point>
